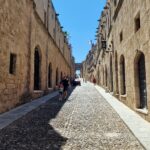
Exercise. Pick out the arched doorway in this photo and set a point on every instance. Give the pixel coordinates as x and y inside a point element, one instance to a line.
<point>50,75</point>
<point>57,76</point>
<point>111,75</point>
<point>37,67</point>
<point>116,72</point>
<point>140,76</point>
<point>122,75</point>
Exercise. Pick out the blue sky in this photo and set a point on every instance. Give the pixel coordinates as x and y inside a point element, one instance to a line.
<point>79,19</point>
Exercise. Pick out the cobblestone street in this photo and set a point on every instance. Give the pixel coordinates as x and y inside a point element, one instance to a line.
<point>84,122</point>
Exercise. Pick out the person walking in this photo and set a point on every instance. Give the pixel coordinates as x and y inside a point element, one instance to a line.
<point>61,89</point>
<point>94,81</point>
<point>65,82</point>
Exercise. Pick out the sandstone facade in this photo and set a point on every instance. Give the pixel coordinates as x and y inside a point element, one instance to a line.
<point>34,51</point>
<point>123,65</point>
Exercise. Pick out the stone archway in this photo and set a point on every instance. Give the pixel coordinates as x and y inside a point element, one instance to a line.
<point>37,69</point>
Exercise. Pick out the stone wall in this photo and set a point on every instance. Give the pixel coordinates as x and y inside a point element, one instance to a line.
<point>21,32</point>
<point>125,41</point>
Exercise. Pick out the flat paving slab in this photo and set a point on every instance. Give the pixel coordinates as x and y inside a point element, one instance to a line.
<point>16,113</point>
<point>139,127</point>
<point>86,121</point>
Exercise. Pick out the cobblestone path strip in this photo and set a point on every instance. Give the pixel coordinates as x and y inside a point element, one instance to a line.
<point>84,122</point>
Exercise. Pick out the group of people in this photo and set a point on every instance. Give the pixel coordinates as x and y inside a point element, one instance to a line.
<point>63,88</point>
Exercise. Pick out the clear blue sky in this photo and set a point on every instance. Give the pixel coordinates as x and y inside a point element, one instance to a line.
<point>79,19</point>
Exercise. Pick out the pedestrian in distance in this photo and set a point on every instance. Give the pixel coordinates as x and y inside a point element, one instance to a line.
<point>61,89</point>
<point>94,81</point>
<point>65,82</point>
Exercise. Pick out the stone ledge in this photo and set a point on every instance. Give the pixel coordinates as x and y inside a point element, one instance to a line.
<point>143,111</point>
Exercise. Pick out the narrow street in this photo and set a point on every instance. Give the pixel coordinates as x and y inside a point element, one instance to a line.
<point>84,122</point>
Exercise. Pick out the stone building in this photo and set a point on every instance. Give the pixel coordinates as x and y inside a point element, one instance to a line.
<point>34,51</point>
<point>123,39</point>
<point>88,66</point>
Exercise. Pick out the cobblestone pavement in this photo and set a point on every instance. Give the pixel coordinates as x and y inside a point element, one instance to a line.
<point>84,122</point>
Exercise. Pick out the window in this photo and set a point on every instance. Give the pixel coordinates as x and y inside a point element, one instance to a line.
<point>137,22</point>
<point>121,36</point>
<point>12,65</point>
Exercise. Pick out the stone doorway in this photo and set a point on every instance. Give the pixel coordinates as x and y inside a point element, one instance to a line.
<point>57,76</point>
<point>50,75</point>
<point>141,77</point>
<point>37,63</point>
<point>122,75</point>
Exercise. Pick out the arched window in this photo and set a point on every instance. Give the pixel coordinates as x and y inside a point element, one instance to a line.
<point>122,75</point>
<point>140,76</point>
<point>50,75</point>
<point>37,67</point>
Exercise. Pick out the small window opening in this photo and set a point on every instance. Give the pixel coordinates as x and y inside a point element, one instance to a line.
<point>121,36</point>
<point>12,66</point>
<point>137,23</point>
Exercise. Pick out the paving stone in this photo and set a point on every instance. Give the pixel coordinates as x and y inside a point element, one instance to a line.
<point>84,122</point>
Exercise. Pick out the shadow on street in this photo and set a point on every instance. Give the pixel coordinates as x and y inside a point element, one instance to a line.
<point>33,131</point>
